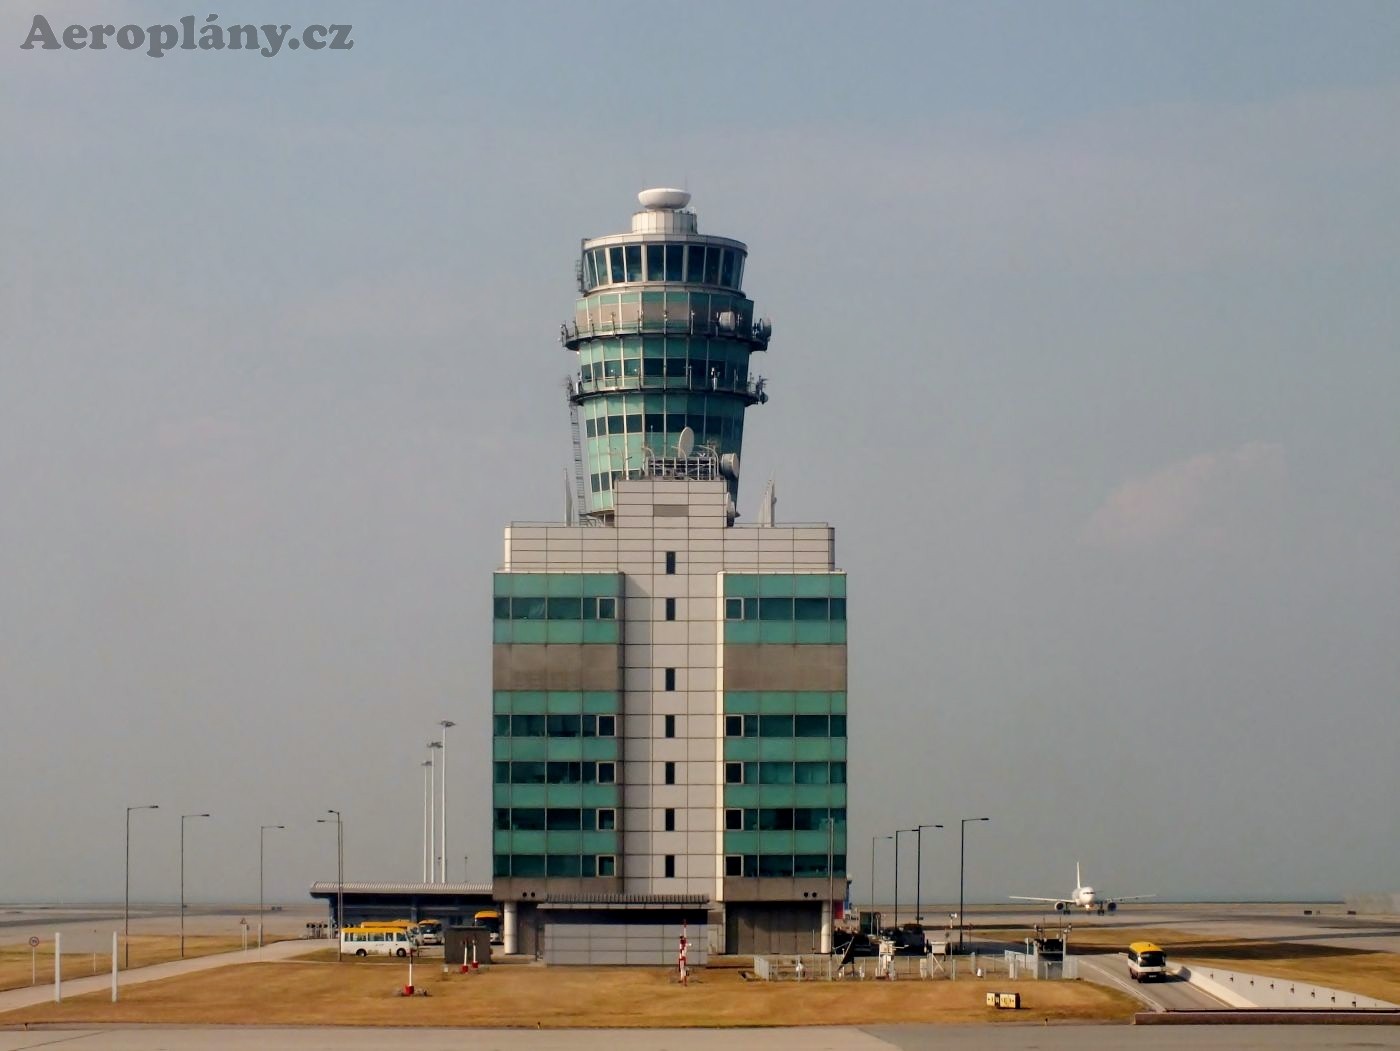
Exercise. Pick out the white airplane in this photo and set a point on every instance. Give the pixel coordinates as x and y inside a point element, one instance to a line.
<point>1085,898</point>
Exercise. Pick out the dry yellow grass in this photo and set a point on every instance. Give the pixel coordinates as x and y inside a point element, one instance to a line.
<point>362,992</point>
<point>15,965</point>
<point>1355,970</point>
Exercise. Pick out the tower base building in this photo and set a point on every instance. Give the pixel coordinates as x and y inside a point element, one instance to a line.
<point>669,686</point>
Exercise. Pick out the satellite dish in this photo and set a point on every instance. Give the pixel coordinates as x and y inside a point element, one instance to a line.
<point>729,465</point>
<point>685,444</point>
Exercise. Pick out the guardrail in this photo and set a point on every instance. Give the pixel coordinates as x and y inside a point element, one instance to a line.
<point>1240,989</point>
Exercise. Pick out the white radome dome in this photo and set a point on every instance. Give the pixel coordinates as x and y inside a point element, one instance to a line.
<point>663,199</point>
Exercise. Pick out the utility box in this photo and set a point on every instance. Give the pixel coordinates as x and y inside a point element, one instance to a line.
<point>1050,949</point>
<point>458,943</point>
<point>1004,1001</point>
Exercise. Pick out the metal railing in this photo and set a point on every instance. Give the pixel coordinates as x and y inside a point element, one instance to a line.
<point>757,333</point>
<point>754,390</point>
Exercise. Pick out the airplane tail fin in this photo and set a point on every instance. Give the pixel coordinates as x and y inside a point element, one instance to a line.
<point>1078,879</point>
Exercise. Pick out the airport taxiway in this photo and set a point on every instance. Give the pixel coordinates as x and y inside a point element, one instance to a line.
<point>1002,1037</point>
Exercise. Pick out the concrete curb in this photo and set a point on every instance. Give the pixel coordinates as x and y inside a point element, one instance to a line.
<point>1259,1016</point>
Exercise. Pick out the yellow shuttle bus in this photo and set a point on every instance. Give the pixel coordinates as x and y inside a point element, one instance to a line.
<point>1146,961</point>
<point>376,940</point>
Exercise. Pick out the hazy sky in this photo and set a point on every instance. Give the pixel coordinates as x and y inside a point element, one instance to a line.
<point>1085,339</point>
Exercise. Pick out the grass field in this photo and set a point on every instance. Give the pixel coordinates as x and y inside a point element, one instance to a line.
<point>364,992</point>
<point>15,966</point>
<point>1355,970</point>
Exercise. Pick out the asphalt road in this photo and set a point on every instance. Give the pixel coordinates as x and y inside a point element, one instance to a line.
<point>1170,995</point>
<point>1002,1037</point>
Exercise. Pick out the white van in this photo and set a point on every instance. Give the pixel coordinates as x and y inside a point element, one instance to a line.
<point>375,941</point>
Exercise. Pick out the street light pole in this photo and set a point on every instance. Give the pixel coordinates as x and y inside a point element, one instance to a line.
<point>126,910</point>
<point>183,819</point>
<point>446,725</point>
<point>433,748</point>
<point>339,876</point>
<point>427,794</point>
<point>262,835</point>
<point>918,871</point>
<point>962,851</point>
<point>896,872</point>
<point>874,900</point>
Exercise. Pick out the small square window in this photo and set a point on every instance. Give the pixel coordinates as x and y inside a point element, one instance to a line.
<point>733,865</point>
<point>734,821</point>
<point>733,609</point>
<point>670,563</point>
<point>607,608</point>
<point>670,866</point>
<point>733,726</point>
<point>607,819</point>
<point>670,819</point>
<point>670,773</point>
<point>670,726</point>
<point>670,609</point>
<point>670,679</point>
<point>607,726</point>
<point>607,773</point>
<point>607,865</point>
<point>733,773</point>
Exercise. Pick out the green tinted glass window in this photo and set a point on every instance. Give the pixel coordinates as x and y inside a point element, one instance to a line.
<point>775,726</point>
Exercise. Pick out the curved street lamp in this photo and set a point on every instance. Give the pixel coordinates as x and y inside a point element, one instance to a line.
<point>126,910</point>
<point>262,836</point>
<point>873,899</point>
<point>918,871</point>
<point>183,819</point>
<point>446,725</point>
<point>896,871</point>
<point>962,850</point>
<point>339,876</point>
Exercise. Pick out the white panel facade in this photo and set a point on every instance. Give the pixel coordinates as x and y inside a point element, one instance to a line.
<point>688,520</point>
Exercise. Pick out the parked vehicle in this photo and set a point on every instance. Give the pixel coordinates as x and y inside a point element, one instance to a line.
<point>429,932</point>
<point>375,941</point>
<point>491,920</point>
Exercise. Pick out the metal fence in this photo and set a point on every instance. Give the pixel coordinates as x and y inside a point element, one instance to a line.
<point>1028,965</point>
<point>822,968</point>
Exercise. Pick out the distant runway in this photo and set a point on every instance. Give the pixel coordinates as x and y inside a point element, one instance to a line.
<point>1001,1037</point>
<point>1304,923</point>
<point>89,927</point>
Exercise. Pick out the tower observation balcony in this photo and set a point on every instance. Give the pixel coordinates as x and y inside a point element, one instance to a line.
<point>663,333</point>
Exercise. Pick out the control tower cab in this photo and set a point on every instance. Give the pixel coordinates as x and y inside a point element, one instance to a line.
<point>663,333</point>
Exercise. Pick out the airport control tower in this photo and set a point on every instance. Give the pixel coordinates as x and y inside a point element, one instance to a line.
<point>669,681</point>
<point>664,333</point>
